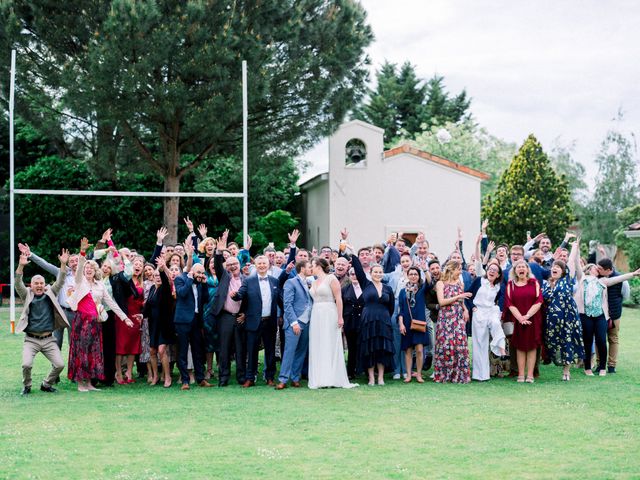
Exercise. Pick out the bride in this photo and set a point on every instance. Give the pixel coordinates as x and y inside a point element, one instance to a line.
<point>326,354</point>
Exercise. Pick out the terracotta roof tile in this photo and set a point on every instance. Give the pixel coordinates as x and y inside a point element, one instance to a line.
<point>405,148</point>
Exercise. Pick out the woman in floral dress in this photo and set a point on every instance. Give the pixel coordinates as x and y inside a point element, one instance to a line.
<point>563,334</point>
<point>86,360</point>
<point>451,354</point>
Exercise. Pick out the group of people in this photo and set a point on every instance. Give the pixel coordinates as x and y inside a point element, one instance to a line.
<point>398,308</point>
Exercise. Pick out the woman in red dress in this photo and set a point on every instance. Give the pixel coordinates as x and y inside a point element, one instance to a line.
<point>522,303</point>
<point>128,338</point>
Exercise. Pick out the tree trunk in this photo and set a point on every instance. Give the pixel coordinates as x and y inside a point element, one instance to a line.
<point>171,206</point>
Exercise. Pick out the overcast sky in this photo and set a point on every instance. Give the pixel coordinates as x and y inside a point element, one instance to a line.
<point>554,69</point>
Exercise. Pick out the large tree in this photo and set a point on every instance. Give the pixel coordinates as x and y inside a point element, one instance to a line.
<point>617,186</point>
<point>404,104</point>
<point>158,83</point>
<point>529,196</point>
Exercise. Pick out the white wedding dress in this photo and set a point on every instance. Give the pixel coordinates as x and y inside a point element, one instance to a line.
<point>326,354</point>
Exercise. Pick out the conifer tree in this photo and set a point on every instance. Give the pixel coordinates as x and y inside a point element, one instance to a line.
<point>529,196</point>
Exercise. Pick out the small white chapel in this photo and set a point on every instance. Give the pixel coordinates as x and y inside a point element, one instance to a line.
<point>373,193</point>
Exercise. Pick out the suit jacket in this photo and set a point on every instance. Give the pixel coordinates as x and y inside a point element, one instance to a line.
<point>185,301</point>
<point>251,297</point>
<point>352,307</point>
<point>224,278</point>
<point>51,291</point>
<point>296,300</point>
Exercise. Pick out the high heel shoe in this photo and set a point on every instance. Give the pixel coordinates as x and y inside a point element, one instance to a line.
<point>121,381</point>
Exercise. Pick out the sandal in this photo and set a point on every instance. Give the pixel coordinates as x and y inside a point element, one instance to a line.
<point>529,380</point>
<point>520,379</point>
<point>407,380</point>
<point>588,373</point>
<point>566,377</point>
<point>419,379</point>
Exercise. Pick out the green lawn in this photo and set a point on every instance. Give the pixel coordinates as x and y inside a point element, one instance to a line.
<point>587,428</point>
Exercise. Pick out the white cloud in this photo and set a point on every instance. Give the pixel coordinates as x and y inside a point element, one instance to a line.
<point>555,69</point>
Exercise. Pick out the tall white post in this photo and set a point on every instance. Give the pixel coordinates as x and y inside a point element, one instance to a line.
<point>245,153</point>
<point>12,240</point>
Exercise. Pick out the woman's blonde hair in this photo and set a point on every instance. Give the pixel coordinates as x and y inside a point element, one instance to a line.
<point>447,272</point>
<point>203,244</point>
<point>96,268</point>
<point>512,272</point>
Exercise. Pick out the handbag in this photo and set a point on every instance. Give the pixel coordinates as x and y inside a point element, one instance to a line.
<point>507,328</point>
<point>416,325</point>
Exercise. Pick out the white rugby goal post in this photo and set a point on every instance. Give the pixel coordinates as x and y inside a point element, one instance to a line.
<point>22,191</point>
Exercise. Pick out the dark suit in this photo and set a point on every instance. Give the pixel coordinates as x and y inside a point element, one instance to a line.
<point>230,333</point>
<point>188,325</point>
<point>258,327</point>
<point>351,312</point>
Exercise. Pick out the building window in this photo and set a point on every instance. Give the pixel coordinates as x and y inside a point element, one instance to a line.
<point>355,153</point>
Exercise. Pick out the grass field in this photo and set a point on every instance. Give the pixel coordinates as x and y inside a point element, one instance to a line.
<point>587,428</point>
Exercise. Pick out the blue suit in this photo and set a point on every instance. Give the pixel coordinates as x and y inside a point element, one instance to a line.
<point>188,325</point>
<point>297,309</point>
<point>257,326</point>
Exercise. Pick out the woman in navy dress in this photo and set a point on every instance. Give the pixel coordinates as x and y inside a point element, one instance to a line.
<point>412,303</point>
<point>563,333</point>
<point>376,332</point>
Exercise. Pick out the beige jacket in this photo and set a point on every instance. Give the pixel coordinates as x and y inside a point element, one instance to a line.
<point>51,291</point>
<point>605,282</point>
<point>96,289</point>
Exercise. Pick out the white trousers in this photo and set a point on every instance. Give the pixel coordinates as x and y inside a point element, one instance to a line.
<point>485,324</point>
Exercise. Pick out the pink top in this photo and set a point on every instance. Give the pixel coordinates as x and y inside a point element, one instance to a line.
<point>87,306</point>
<point>230,305</point>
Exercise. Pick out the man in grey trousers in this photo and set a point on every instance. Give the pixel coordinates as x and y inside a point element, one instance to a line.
<point>40,317</point>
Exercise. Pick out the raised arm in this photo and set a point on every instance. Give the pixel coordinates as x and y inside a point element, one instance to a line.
<point>360,275</point>
<point>573,256</point>
<point>478,257</point>
<point>43,264</point>
<point>609,281</point>
<point>59,283</point>
<point>20,287</point>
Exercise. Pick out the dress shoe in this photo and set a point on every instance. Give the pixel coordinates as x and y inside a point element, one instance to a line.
<point>611,369</point>
<point>26,391</point>
<point>270,383</point>
<point>281,386</point>
<point>204,383</point>
<point>185,386</point>
<point>223,384</point>
<point>248,383</point>
<point>295,384</point>
<point>48,388</point>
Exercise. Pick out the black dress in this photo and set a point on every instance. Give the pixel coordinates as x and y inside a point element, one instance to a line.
<point>159,310</point>
<point>376,332</point>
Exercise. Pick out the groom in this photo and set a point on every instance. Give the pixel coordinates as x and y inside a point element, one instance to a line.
<point>297,312</point>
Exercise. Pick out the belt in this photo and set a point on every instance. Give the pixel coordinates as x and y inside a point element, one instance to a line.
<point>229,313</point>
<point>39,337</point>
<point>264,319</point>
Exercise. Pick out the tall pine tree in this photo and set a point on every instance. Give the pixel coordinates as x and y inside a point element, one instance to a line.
<point>530,196</point>
<point>404,104</point>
